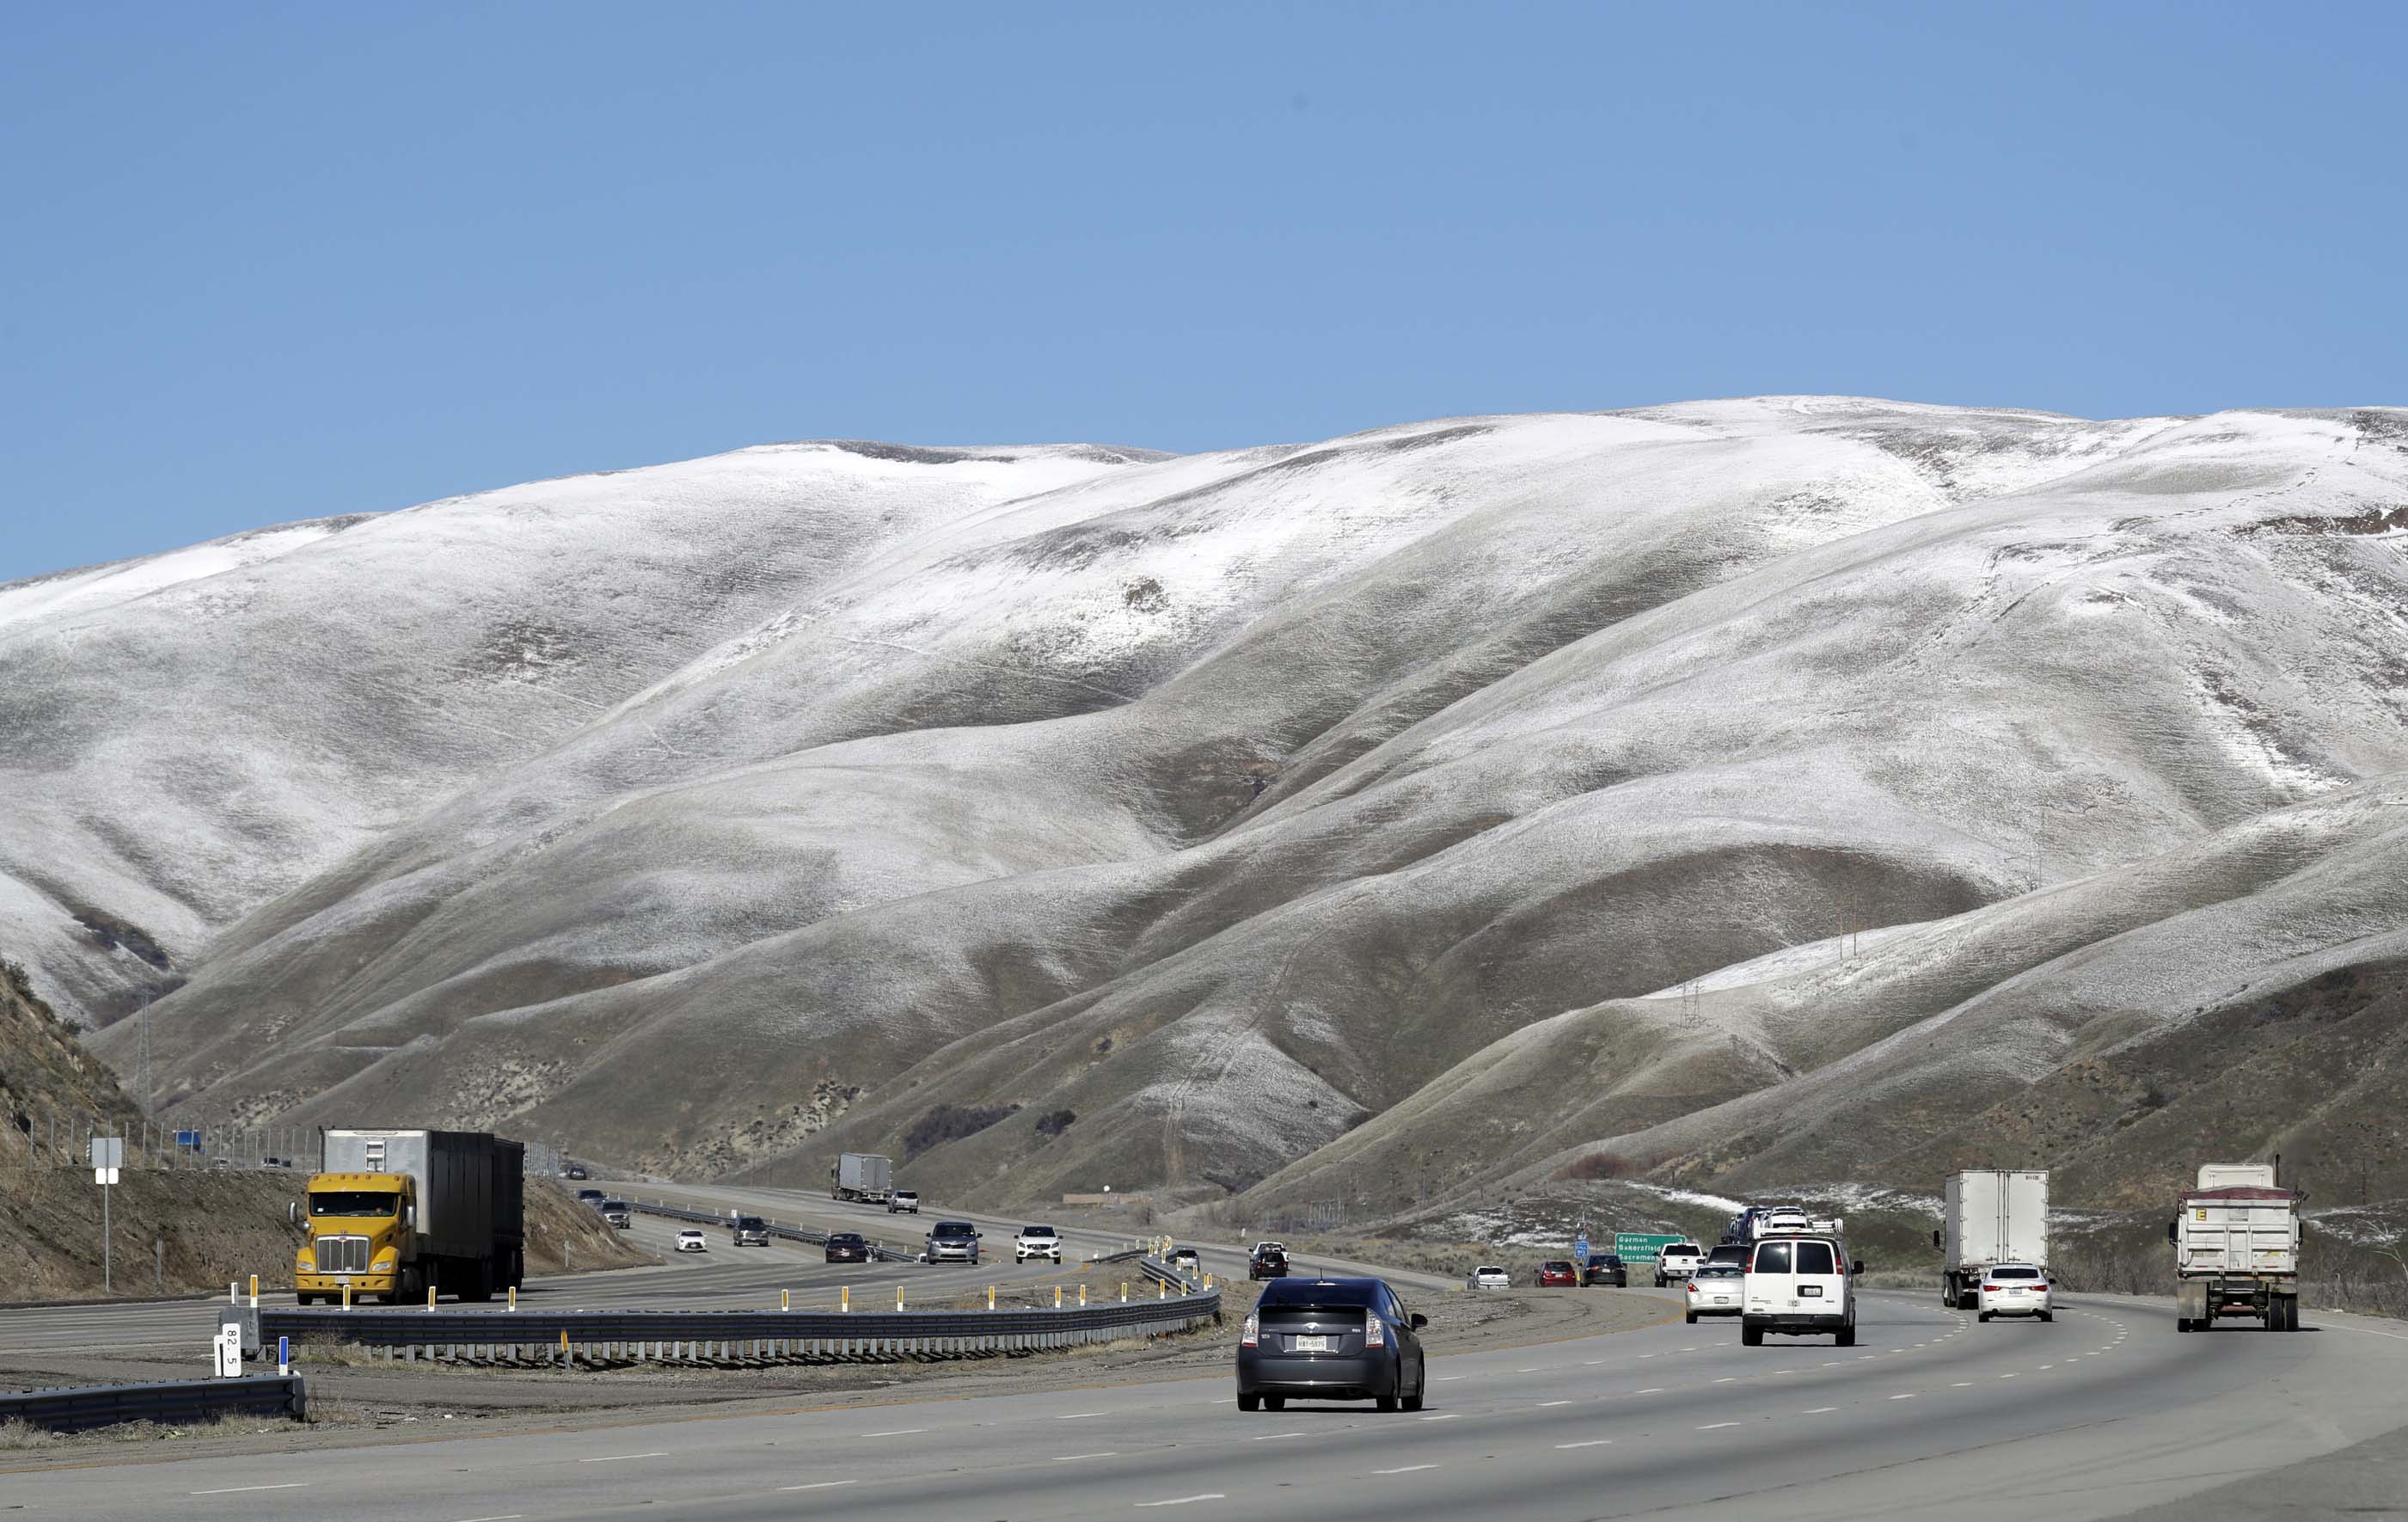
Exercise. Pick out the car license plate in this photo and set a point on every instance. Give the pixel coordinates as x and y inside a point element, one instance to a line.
<point>1810,1290</point>
<point>1313,1344</point>
<point>2014,1291</point>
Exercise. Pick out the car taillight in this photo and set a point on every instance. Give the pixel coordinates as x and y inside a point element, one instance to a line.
<point>1992,1290</point>
<point>1375,1332</point>
<point>1252,1334</point>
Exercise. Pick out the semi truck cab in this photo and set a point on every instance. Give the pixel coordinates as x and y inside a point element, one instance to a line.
<point>360,1226</point>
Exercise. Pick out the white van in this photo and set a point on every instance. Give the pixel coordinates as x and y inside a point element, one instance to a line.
<point>1799,1284</point>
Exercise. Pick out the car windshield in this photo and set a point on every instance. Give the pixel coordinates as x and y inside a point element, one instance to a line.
<point>1558,1266</point>
<point>751,1223</point>
<point>1038,1231</point>
<point>366,1202</point>
<point>1486,1269</point>
<point>1773,1257</point>
<point>1719,1271</point>
<point>954,1228</point>
<point>1321,1292</point>
<point>2014,1273</point>
<point>841,1239</point>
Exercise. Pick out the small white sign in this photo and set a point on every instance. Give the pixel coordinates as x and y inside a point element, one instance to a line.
<point>103,1175</point>
<point>108,1155</point>
<point>229,1350</point>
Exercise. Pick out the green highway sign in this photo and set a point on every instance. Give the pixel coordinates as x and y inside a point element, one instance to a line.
<point>1643,1246</point>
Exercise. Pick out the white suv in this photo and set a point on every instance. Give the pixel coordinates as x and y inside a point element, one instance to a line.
<point>1678,1260</point>
<point>1038,1242</point>
<point>1797,1286</point>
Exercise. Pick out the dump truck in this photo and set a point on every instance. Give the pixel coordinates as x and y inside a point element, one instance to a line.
<point>395,1214</point>
<point>2236,1240</point>
<point>864,1176</point>
<point>1988,1216</point>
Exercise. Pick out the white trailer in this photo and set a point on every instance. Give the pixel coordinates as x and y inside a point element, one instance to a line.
<point>865,1176</point>
<point>2236,1240</point>
<point>1988,1216</point>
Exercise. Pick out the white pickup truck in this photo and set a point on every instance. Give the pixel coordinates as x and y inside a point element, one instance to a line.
<point>1678,1260</point>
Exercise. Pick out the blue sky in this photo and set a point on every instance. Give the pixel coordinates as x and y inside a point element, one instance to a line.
<point>266,263</point>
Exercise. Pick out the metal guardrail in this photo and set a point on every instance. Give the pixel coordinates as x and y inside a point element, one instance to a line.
<point>566,1338</point>
<point>80,1408</point>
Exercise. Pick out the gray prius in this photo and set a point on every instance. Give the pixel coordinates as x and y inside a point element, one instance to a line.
<point>1332,1339</point>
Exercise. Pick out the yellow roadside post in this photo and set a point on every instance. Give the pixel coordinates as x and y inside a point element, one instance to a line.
<point>844,1298</point>
<point>990,1297</point>
<point>347,1295</point>
<point>898,1296</point>
<point>783,1303</point>
<point>1057,1297</point>
<point>1161,1290</point>
<point>563,1349</point>
<point>430,1297</point>
<point>514,1300</point>
<point>1082,1295</point>
<point>1124,1292</point>
<point>255,1292</point>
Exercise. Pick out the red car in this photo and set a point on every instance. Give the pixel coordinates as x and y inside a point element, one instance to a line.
<point>1558,1273</point>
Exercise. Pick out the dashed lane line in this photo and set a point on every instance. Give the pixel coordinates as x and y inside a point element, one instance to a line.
<point>1274,1437</point>
<point>1819,1411</point>
<point>616,1457</point>
<point>817,1485</point>
<point>1407,1469</point>
<point>231,1489</point>
<point>1182,1501</point>
<point>1593,1443</point>
<point>1715,1426</point>
<point>1064,1458</point>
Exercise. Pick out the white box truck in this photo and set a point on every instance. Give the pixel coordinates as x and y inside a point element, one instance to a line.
<point>864,1176</point>
<point>2236,1240</point>
<point>1988,1216</point>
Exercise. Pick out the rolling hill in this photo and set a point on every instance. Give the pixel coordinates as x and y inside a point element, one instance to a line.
<point>1717,792</point>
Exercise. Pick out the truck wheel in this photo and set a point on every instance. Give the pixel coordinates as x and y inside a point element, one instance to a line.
<point>2184,1324</point>
<point>1691,1317</point>
<point>1981,1315</point>
<point>1250,1402</point>
<point>1274,1402</point>
<point>1750,1336</point>
<point>1845,1336</point>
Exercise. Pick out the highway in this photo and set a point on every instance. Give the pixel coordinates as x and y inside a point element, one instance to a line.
<point>2104,1412</point>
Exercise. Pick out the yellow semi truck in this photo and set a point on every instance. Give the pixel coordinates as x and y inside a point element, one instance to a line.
<point>396,1213</point>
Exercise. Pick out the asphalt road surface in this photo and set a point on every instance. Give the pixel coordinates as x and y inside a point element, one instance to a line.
<point>2106,1412</point>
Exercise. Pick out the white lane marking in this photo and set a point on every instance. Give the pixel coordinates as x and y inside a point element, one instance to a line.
<point>506,1516</point>
<point>1591,1363</point>
<point>1081,1415</point>
<point>2006,1376</point>
<point>1443,1416</point>
<point>1817,1411</point>
<point>896,1433</point>
<point>1728,1379</point>
<point>816,1484</point>
<point>1714,1426</point>
<point>1657,1389</point>
<point>289,1485</point>
<point>1544,1404</point>
<point>1908,1396</point>
<point>1406,1470</point>
<point>615,1457</point>
<point>1962,1384</point>
<point>1444,1378</point>
<point>1060,1459</point>
<point>1532,1369</point>
<point>1222,1401</point>
<point>2048,1366</point>
<point>1274,1437</point>
<point>1593,1443</point>
<point>1181,1500</point>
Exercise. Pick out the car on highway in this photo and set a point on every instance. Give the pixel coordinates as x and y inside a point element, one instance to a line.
<point>847,1247</point>
<point>574,1171</point>
<point>952,1242</point>
<point>1036,1241</point>
<point>1733,1253</point>
<point>1488,1276</point>
<point>1558,1273</point>
<point>616,1213</point>
<point>902,1200</point>
<point>1677,1260</point>
<point>589,1197</point>
<point>749,1231</point>
<point>1332,1339</point>
<point>1716,1289</point>
<point>1606,1269</point>
<point>1185,1260</point>
<point>1799,1285</point>
<point>1269,1260</point>
<point>2015,1289</point>
<point>690,1241</point>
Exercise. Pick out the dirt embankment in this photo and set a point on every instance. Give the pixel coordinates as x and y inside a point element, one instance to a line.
<point>171,1230</point>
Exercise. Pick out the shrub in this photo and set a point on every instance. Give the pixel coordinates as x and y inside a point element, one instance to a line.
<point>1054,1123</point>
<point>950,1123</point>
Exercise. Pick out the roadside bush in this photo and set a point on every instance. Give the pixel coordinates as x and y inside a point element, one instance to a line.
<point>1054,1123</point>
<point>950,1123</point>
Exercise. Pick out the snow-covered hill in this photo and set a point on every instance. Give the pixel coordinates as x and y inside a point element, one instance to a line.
<point>713,816</point>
